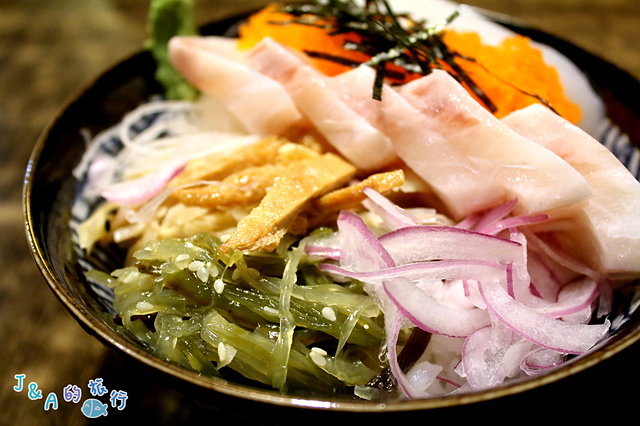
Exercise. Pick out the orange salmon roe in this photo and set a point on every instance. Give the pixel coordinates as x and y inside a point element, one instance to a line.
<point>508,69</point>
<point>299,37</point>
<point>506,73</point>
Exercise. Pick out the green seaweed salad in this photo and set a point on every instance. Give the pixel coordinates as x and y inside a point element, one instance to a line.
<point>270,317</point>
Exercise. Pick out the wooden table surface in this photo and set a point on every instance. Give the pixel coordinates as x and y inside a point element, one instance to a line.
<point>51,49</point>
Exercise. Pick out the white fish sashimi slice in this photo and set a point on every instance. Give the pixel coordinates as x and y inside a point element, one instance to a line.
<point>603,232</point>
<point>226,47</point>
<point>455,181</point>
<point>213,67</point>
<point>348,132</point>
<point>538,178</point>
<point>574,81</point>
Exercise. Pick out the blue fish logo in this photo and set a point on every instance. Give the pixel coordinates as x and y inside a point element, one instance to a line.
<point>92,408</point>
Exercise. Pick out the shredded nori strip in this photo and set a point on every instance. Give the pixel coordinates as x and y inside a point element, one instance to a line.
<point>415,47</point>
<point>166,19</point>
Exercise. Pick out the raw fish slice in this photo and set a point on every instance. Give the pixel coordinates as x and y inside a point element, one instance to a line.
<point>223,46</point>
<point>470,19</point>
<point>211,67</point>
<point>538,178</point>
<point>603,232</point>
<point>347,131</point>
<point>454,179</point>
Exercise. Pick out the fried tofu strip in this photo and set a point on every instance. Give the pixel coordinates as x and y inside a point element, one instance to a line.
<point>220,165</point>
<point>290,194</point>
<point>246,187</point>
<point>255,169</point>
<point>349,196</point>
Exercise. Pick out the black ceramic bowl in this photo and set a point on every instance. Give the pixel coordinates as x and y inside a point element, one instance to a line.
<point>50,189</point>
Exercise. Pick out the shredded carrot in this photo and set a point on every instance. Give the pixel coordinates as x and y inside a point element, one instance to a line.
<point>508,73</point>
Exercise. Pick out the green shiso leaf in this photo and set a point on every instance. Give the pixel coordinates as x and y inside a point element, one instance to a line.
<point>168,18</point>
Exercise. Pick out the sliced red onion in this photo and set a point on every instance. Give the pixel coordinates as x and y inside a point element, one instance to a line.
<point>605,301</point>
<point>545,278</point>
<point>435,242</point>
<point>518,278</point>
<point>573,298</point>
<point>394,216</point>
<point>450,382</point>
<point>583,316</point>
<point>430,315</point>
<point>513,357</point>
<point>472,293</point>
<point>323,246</point>
<point>541,359</point>
<point>496,219</point>
<point>474,366</point>
<point>558,256</point>
<point>470,221</point>
<point>393,325</point>
<point>492,216</point>
<point>491,355</point>
<point>539,328</point>
<point>411,386</point>
<point>450,292</point>
<point>99,175</point>
<point>137,191</point>
<point>360,250</point>
<point>323,251</point>
<point>436,270</point>
<point>511,322</point>
<point>513,222</point>
<point>421,377</point>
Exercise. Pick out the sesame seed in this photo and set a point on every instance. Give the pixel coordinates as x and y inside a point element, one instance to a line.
<point>144,306</point>
<point>195,265</point>
<point>213,270</point>
<point>329,313</point>
<point>235,275</point>
<point>131,278</point>
<point>319,351</point>
<point>218,286</point>
<point>318,358</point>
<point>222,351</point>
<point>226,353</point>
<point>270,310</point>
<point>182,257</point>
<point>203,274</point>
<point>253,272</point>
